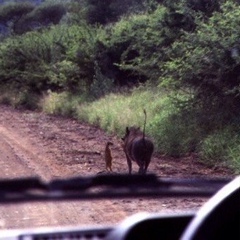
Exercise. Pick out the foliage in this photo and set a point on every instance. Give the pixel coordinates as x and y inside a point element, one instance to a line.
<point>207,62</point>
<point>59,59</point>
<point>14,11</point>
<point>106,11</point>
<point>175,133</point>
<point>222,148</point>
<point>18,98</point>
<point>64,103</point>
<point>41,16</point>
<point>116,111</point>
<point>100,85</point>
<point>76,12</point>
<point>139,44</point>
<point>26,16</point>
<point>11,13</point>
<point>208,7</point>
<point>29,59</point>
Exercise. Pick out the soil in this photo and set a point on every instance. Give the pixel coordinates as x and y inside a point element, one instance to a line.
<point>50,147</point>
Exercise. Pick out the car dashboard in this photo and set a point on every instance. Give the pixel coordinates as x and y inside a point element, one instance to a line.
<point>218,218</point>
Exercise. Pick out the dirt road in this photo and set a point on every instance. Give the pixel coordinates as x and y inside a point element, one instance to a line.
<point>34,144</point>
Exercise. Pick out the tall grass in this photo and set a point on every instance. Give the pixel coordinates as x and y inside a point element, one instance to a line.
<point>172,133</point>
<point>115,112</point>
<point>222,148</point>
<point>64,104</point>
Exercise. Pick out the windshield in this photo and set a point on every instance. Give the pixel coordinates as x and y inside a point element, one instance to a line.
<point>77,75</point>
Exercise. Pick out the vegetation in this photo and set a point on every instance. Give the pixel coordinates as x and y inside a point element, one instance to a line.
<point>21,17</point>
<point>105,61</point>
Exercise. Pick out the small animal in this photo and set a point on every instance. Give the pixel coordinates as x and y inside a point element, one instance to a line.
<point>108,156</point>
<point>137,148</point>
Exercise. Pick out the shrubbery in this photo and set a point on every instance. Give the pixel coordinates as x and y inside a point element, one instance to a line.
<point>62,58</point>
<point>222,147</point>
<point>207,63</point>
<point>26,16</point>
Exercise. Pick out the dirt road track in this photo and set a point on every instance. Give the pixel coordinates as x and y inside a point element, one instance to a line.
<point>34,144</point>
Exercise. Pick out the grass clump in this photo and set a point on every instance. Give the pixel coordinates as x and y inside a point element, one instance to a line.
<point>116,111</point>
<point>222,148</point>
<point>63,104</point>
<point>19,98</point>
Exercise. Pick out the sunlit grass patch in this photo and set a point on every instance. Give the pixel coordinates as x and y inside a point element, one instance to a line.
<point>117,111</point>
<point>63,103</point>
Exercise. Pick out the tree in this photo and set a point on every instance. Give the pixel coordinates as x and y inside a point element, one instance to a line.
<point>207,64</point>
<point>11,13</point>
<point>41,16</point>
<point>107,11</point>
<point>23,17</point>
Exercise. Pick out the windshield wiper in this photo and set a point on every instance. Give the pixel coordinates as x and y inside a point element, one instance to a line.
<point>107,186</point>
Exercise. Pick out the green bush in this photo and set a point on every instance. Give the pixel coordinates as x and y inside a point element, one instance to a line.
<point>26,16</point>
<point>108,11</point>
<point>206,64</point>
<point>25,60</point>
<point>175,129</point>
<point>222,148</point>
<point>138,45</point>
<point>101,85</point>
<point>40,17</point>
<point>11,13</point>
<point>19,98</point>
<point>64,104</point>
<point>61,58</point>
<point>142,38</point>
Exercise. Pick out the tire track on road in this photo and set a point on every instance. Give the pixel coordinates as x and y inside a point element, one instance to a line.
<point>24,156</point>
<point>20,156</point>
